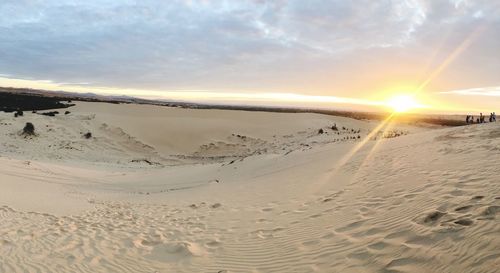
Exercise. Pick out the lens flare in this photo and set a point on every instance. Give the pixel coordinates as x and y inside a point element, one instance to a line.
<point>403,103</point>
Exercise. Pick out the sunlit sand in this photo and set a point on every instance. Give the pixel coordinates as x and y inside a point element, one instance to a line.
<point>157,189</point>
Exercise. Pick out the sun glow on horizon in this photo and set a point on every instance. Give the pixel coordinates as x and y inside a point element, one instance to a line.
<point>404,103</point>
<point>394,98</point>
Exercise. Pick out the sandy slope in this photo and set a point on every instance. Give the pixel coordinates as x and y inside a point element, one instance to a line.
<point>174,190</point>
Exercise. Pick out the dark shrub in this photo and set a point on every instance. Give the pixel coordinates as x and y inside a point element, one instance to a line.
<point>321,131</point>
<point>67,112</point>
<point>29,129</point>
<point>19,113</point>
<point>87,135</point>
<point>51,114</point>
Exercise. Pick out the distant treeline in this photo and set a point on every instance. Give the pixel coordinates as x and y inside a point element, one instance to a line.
<point>403,118</point>
<point>23,102</point>
<point>16,99</point>
<point>440,121</point>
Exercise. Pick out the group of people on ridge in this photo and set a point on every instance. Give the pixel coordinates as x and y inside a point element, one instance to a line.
<point>480,119</point>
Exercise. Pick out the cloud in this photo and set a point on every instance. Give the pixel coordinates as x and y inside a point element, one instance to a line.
<point>288,46</point>
<point>493,91</point>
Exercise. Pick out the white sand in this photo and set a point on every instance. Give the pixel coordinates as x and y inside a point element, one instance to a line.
<point>159,189</point>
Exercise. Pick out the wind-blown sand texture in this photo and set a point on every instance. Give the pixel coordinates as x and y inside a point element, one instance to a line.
<point>159,189</point>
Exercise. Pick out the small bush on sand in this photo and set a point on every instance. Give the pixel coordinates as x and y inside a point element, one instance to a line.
<point>29,129</point>
<point>321,131</point>
<point>18,113</point>
<point>51,114</point>
<point>87,135</point>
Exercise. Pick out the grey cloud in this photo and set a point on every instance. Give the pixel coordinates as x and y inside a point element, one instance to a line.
<point>282,45</point>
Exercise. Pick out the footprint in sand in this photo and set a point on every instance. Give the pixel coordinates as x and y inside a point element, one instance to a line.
<point>463,215</point>
<point>410,196</point>
<point>351,226</point>
<point>433,217</point>
<point>216,205</point>
<point>310,243</point>
<point>463,208</point>
<point>328,235</point>
<point>378,246</point>
<point>213,244</point>
<point>464,222</point>
<point>491,211</point>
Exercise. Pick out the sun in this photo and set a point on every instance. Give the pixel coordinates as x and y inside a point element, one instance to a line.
<point>403,103</point>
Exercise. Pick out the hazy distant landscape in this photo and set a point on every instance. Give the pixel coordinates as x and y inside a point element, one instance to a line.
<point>27,100</point>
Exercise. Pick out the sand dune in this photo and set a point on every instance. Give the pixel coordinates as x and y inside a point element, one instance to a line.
<point>176,190</point>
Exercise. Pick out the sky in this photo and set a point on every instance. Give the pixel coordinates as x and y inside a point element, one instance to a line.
<point>446,52</point>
